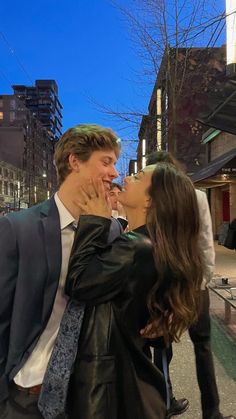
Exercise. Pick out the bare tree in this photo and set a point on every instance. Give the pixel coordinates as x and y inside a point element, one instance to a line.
<point>163,34</point>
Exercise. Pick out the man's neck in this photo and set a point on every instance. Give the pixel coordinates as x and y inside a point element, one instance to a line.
<point>68,198</point>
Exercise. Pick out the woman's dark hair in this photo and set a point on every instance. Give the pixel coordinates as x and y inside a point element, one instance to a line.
<point>173,225</point>
<point>163,156</point>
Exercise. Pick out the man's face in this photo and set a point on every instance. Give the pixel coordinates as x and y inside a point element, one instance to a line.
<point>114,197</point>
<point>101,164</point>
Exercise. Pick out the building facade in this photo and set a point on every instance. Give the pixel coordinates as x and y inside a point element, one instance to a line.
<point>185,78</point>
<point>26,145</point>
<point>14,194</point>
<point>42,100</point>
<point>218,178</point>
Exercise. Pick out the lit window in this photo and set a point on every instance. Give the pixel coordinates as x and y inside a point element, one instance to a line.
<point>11,189</point>
<point>12,116</point>
<point>1,115</point>
<point>13,104</point>
<point>5,188</point>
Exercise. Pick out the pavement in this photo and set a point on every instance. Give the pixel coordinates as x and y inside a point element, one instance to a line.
<point>182,367</point>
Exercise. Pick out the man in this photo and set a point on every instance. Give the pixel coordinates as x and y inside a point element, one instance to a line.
<point>117,209</point>
<point>200,332</point>
<point>35,245</point>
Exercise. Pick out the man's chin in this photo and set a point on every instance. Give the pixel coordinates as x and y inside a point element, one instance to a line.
<point>107,186</point>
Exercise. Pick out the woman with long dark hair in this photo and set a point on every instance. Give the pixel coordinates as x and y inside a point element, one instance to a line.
<point>151,275</point>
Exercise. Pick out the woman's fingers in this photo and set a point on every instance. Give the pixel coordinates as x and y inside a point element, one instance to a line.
<point>91,189</point>
<point>100,188</point>
<point>92,199</point>
<point>83,195</point>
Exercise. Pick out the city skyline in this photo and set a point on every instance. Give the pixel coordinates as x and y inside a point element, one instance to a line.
<point>86,48</point>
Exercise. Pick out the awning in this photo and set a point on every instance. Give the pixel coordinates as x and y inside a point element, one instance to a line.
<point>224,165</point>
<point>221,106</point>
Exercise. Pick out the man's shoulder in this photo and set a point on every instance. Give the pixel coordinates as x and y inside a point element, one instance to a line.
<point>200,194</point>
<point>201,199</point>
<point>29,214</point>
<point>115,229</point>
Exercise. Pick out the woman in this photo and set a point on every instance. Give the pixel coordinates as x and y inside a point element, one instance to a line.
<point>153,273</point>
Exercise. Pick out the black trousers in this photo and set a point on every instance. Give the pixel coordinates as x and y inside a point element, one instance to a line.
<point>20,405</point>
<point>200,334</point>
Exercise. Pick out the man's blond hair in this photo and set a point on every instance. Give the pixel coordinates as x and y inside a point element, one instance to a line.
<point>81,141</point>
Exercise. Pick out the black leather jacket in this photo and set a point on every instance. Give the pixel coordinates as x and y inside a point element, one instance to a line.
<point>114,377</point>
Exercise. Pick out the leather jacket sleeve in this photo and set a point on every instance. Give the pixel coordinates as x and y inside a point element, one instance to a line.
<point>97,270</point>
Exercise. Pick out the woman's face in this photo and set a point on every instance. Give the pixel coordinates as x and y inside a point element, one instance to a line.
<point>135,189</point>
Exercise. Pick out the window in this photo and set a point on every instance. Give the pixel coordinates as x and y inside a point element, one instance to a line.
<point>13,104</point>
<point>11,189</point>
<point>0,171</point>
<point>5,172</point>
<point>12,116</point>
<point>0,187</point>
<point>1,103</point>
<point>1,115</point>
<point>5,188</point>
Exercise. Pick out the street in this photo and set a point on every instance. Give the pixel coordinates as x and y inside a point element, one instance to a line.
<point>182,367</point>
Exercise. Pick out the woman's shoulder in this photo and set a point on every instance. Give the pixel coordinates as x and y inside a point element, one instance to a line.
<point>138,240</point>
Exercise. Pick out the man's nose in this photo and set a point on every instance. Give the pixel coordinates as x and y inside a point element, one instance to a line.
<point>113,172</point>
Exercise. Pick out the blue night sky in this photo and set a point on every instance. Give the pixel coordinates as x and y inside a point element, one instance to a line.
<point>85,46</point>
<point>82,44</point>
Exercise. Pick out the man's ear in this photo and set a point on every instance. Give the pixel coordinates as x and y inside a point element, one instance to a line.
<point>74,163</point>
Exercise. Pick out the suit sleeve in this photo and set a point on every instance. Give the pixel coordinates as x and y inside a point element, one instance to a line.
<point>97,270</point>
<point>206,236</point>
<point>123,222</point>
<point>8,275</point>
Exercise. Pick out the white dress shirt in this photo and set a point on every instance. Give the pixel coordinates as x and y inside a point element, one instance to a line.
<point>33,371</point>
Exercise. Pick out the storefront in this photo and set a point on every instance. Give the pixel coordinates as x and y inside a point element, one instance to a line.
<point>218,178</point>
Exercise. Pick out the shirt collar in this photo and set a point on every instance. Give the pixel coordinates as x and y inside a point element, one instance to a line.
<point>65,216</point>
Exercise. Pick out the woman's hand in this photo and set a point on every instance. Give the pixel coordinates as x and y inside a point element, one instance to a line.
<point>93,199</point>
<point>151,330</point>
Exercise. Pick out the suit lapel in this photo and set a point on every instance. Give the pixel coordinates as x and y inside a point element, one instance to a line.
<point>52,242</point>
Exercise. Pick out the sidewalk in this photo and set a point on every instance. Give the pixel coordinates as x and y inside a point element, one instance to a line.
<point>182,367</point>
<point>225,267</point>
<point>225,261</point>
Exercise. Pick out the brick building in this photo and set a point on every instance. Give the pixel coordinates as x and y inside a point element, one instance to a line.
<point>26,145</point>
<point>42,100</point>
<point>185,78</point>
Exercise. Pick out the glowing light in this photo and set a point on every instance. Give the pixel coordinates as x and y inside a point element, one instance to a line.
<point>231,31</point>
<point>143,162</point>
<point>143,147</point>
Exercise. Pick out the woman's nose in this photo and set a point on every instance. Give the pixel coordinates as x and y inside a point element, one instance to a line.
<point>127,179</point>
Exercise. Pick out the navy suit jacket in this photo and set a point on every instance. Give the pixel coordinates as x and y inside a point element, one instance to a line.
<point>30,264</point>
